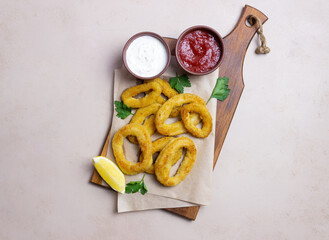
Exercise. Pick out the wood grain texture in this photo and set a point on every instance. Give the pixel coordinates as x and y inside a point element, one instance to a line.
<point>95,177</point>
<point>235,44</point>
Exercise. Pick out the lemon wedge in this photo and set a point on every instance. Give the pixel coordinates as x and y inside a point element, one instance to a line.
<point>110,173</point>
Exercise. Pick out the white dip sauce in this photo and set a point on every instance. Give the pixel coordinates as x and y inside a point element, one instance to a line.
<point>146,56</point>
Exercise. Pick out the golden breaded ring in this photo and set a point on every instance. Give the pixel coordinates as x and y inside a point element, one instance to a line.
<point>165,110</point>
<point>175,112</point>
<point>168,91</point>
<point>145,143</point>
<point>205,116</point>
<point>141,115</point>
<point>165,161</point>
<point>128,95</point>
<point>195,119</point>
<point>149,124</point>
<point>157,146</point>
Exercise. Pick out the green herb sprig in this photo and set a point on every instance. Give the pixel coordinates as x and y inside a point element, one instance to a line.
<point>122,109</point>
<point>179,82</point>
<point>134,187</point>
<point>221,90</point>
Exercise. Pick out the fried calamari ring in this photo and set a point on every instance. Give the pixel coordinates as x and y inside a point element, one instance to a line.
<point>165,161</point>
<point>128,95</point>
<point>179,126</point>
<point>157,146</point>
<point>168,91</point>
<point>165,110</point>
<point>141,115</point>
<point>205,116</point>
<point>145,143</point>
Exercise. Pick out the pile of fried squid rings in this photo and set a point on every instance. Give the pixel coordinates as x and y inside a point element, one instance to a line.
<point>152,112</point>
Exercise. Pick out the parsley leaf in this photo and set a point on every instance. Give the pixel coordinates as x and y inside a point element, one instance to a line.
<point>179,82</point>
<point>184,80</point>
<point>134,187</point>
<point>143,189</point>
<point>122,109</point>
<point>221,90</point>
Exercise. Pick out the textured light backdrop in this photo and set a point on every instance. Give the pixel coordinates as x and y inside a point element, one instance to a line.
<point>56,71</point>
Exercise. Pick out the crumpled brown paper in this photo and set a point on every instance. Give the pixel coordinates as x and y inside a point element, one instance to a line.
<point>197,186</point>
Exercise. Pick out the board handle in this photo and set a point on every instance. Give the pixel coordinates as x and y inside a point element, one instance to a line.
<point>242,33</point>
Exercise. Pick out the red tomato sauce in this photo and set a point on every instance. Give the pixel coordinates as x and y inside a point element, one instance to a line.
<point>199,51</point>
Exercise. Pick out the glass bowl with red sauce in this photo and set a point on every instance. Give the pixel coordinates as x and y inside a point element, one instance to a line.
<point>199,50</point>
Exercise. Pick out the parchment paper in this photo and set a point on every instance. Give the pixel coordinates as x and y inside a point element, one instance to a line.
<point>196,188</point>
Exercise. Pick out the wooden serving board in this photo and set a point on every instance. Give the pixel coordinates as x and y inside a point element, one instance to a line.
<point>235,44</point>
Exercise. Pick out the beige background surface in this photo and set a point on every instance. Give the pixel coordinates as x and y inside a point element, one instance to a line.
<point>56,65</point>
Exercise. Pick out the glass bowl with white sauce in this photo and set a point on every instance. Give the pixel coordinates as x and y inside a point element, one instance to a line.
<point>146,55</point>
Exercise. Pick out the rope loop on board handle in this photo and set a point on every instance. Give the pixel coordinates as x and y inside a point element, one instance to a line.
<point>262,49</point>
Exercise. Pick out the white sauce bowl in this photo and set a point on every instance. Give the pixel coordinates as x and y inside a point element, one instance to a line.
<point>146,55</point>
